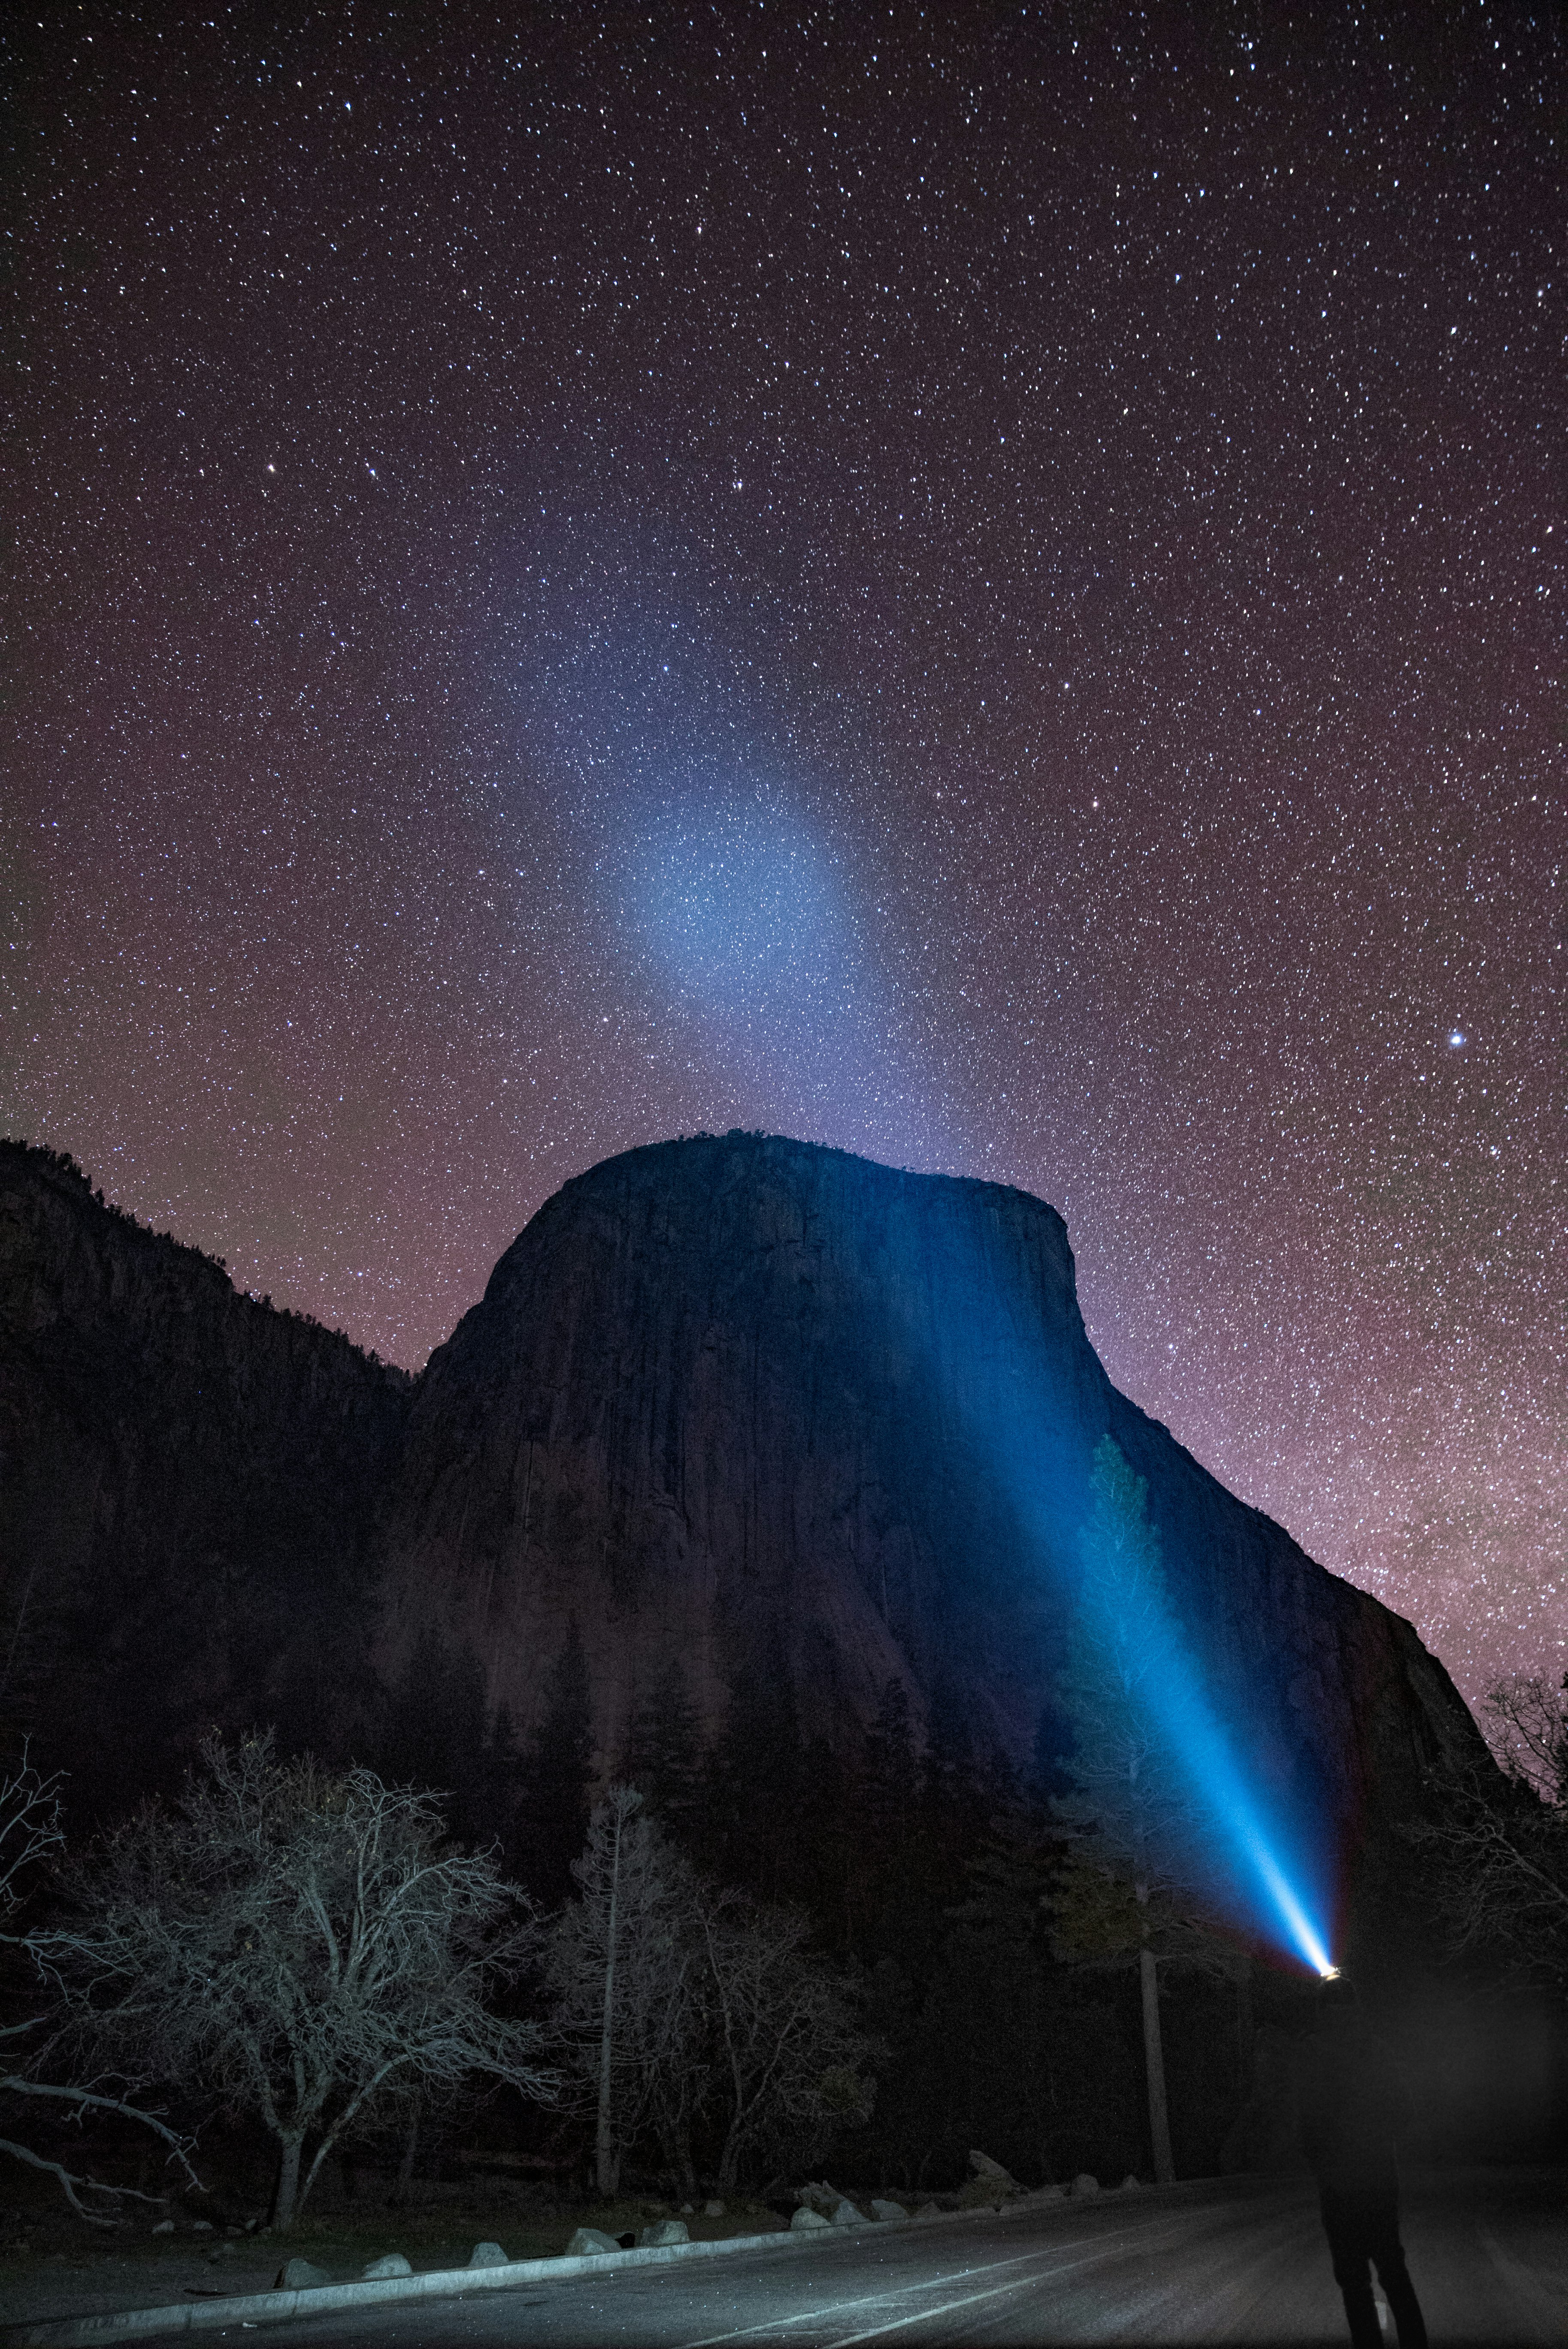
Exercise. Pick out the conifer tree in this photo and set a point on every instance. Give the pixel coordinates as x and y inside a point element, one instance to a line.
<point>663,1755</point>
<point>553,1809</point>
<point>435,1732</point>
<point>754,1782</point>
<point>890,1879</point>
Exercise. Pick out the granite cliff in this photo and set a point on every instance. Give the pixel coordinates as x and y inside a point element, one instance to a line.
<point>751,1404</point>
<point>739,1402</point>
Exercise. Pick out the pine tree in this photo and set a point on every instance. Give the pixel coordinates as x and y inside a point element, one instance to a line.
<point>1052,1774</point>
<point>887,1878</point>
<point>754,1782</point>
<point>434,1732</point>
<point>664,1753</point>
<point>551,1820</point>
<point>953,1803</point>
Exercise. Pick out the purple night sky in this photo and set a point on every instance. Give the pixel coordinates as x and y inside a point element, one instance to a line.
<point>985,587</point>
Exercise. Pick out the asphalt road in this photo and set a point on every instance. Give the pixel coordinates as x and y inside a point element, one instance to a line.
<point>1232,2261</point>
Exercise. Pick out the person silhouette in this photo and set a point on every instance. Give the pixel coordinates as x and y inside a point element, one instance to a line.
<point>1353,2106</point>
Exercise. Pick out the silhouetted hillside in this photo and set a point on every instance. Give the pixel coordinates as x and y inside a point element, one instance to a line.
<point>188,1485</point>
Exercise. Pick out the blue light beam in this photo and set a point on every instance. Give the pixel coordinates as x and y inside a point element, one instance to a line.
<point>1005,1383</point>
<point>1217,1786</point>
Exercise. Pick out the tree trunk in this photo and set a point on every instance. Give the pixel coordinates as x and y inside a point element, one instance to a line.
<point>678,2155</point>
<point>605,2164</point>
<point>406,2166</point>
<point>286,2201</point>
<point>1154,2068</point>
<point>1243,2036</point>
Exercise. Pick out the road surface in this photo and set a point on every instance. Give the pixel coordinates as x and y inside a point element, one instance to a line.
<point>1238,2261</point>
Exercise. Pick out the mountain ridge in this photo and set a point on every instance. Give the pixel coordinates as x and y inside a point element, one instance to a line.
<point>735,1402</point>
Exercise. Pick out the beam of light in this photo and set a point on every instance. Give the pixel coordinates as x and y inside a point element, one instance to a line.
<point>1219,1785</point>
<point>1013,1395</point>
<point>1246,1869</point>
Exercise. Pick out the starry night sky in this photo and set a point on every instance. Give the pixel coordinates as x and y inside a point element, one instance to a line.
<point>985,586</point>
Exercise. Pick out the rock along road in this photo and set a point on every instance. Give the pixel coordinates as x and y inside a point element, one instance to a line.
<point>1237,2261</point>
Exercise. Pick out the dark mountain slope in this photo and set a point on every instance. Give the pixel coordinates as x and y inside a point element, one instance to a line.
<point>764,1408</point>
<point>189,1484</point>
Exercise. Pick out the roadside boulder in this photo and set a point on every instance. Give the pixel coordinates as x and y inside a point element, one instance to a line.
<point>991,2173</point>
<point>881,2209</point>
<point>1084,2184</point>
<point>663,2230</point>
<point>392,2264</point>
<point>991,2184</point>
<point>847,2214</point>
<point>805,2219</point>
<point>487,2255</point>
<point>589,2240</point>
<point>299,2275</point>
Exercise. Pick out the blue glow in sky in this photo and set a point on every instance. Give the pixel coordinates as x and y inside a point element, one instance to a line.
<point>745,911</point>
<point>750,913</point>
<point>745,919</point>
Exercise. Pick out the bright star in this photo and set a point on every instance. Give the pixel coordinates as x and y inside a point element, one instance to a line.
<point>1456,1037</point>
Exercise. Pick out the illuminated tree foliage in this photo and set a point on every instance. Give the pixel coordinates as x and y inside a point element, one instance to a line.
<point>305,1944</point>
<point>36,2066</point>
<point>697,2013</point>
<point>618,1971</point>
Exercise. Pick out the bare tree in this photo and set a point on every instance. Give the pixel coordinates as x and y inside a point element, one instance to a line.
<point>302,1943</point>
<point>790,2067</point>
<point>685,2009</point>
<point>1123,1647</point>
<point>1497,1877</point>
<point>620,1972</point>
<point>1526,1722</point>
<point>30,1836</point>
<point>1497,1844</point>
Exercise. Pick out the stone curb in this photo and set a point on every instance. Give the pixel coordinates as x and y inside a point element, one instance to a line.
<point>442,2283</point>
<point>258,2308</point>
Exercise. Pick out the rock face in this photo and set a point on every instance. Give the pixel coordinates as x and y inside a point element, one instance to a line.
<point>743,1404</point>
<point>753,1404</point>
<point>188,1491</point>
